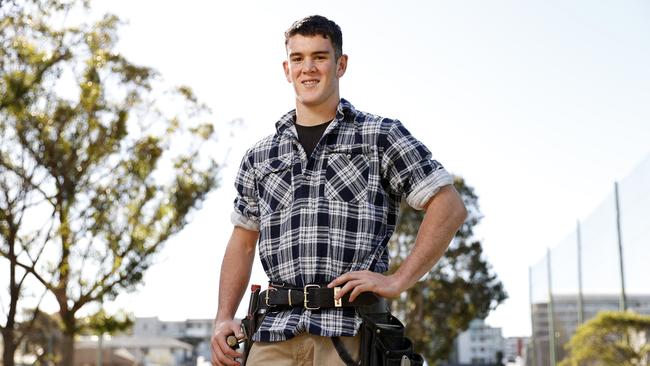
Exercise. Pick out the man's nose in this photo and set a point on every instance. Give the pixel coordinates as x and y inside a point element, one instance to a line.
<point>309,66</point>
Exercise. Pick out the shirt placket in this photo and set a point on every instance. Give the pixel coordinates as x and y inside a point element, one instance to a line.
<point>309,165</point>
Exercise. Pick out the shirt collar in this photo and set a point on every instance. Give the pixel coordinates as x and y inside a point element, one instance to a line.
<point>345,111</point>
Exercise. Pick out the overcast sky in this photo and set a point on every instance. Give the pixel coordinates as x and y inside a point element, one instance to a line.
<point>540,105</point>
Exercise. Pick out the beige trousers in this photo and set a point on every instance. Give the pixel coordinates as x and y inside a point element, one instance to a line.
<point>302,350</point>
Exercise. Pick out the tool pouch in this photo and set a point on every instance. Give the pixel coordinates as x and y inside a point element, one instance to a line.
<point>383,342</point>
<point>251,322</point>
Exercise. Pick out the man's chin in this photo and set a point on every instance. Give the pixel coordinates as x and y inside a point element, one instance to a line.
<point>308,102</point>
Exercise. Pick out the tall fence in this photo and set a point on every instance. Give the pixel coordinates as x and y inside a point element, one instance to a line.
<point>603,265</point>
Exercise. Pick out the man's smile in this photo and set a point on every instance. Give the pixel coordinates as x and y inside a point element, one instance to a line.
<point>309,83</point>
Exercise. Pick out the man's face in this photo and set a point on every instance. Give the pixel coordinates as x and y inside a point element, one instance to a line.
<point>313,70</point>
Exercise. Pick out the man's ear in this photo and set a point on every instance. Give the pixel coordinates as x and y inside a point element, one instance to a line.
<point>341,65</point>
<point>285,66</point>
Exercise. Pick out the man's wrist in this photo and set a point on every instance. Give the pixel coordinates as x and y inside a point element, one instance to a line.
<point>400,282</point>
<point>223,317</point>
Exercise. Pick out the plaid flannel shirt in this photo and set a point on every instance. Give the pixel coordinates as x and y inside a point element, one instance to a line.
<point>334,212</point>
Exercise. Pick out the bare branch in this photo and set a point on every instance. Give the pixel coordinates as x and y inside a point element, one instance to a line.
<point>26,179</point>
<point>31,269</point>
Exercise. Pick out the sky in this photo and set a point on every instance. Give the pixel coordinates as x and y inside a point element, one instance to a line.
<point>540,105</point>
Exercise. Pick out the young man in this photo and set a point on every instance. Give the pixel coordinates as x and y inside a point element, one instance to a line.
<point>322,196</point>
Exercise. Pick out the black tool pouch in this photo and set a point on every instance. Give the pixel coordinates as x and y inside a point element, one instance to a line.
<point>383,342</point>
<point>251,322</point>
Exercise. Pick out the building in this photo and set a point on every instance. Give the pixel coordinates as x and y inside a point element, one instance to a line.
<point>135,351</point>
<point>566,316</point>
<point>478,345</point>
<point>86,354</point>
<point>515,348</point>
<point>196,332</point>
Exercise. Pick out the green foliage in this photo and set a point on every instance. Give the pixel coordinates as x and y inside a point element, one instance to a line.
<point>499,357</point>
<point>611,338</point>
<point>109,160</point>
<point>103,323</point>
<point>460,288</point>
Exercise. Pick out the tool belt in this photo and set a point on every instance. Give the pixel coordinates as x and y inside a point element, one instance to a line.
<point>383,342</point>
<point>312,297</point>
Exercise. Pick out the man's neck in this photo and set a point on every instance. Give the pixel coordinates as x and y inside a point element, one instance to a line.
<point>316,115</point>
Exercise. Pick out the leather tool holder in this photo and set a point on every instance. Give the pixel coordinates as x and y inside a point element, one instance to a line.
<point>383,342</point>
<point>252,321</point>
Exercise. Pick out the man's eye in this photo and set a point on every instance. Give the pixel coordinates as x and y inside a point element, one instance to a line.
<point>296,59</point>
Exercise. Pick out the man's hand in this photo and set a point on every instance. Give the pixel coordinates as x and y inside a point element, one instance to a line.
<point>235,273</point>
<point>367,281</point>
<point>444,213</point>
<point>222,354</point>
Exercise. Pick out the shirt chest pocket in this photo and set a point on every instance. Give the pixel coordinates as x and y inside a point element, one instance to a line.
<point>346,175</point>
<point>274,185</point>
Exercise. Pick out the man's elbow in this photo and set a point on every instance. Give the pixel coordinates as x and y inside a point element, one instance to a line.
<point>459,213</point>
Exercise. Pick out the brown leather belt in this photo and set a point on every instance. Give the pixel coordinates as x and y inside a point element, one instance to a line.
<point>312,297</point>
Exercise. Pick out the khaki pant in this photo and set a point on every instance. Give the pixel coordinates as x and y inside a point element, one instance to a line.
<point>302,350</point>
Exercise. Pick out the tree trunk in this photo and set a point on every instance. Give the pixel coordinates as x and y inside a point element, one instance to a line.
<point>8,335</point>
<point>9,348</point>
<point>67,349</point>
<point>67,346</point>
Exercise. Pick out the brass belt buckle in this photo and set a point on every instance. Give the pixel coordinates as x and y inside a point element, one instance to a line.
<point>337,303</point>
<point>266,296</point>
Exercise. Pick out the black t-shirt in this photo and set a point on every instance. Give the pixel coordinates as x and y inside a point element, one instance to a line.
<point>308,136</point>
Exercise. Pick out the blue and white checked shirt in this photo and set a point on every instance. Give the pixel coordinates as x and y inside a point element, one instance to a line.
<point>334,212</point>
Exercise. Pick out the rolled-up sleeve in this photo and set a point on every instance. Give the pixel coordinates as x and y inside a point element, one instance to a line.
<point>246,211</point>
<point>408,167</point>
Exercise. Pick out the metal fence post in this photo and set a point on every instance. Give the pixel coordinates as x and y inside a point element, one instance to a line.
<point>623,300</point>
<point>581,309</point>
<point>551,312</point>
<point>532,318</point>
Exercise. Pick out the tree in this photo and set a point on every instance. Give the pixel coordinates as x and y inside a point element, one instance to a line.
<point>15,199</point>
<point>105,163</point>
<point>13,206</point>
<point>42,339</point>
<point>460,288</point>
<point>611,338</point>
<point>498,356</point>
<point>101,323</point>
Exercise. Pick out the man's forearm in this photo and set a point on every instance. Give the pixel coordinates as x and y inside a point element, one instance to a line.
<point>445,213</point>
<point>235,271</point>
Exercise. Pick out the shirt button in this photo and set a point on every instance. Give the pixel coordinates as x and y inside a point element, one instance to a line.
<point>349,156</point>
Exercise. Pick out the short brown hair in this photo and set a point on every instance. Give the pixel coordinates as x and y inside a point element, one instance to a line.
<point>317,25</point>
